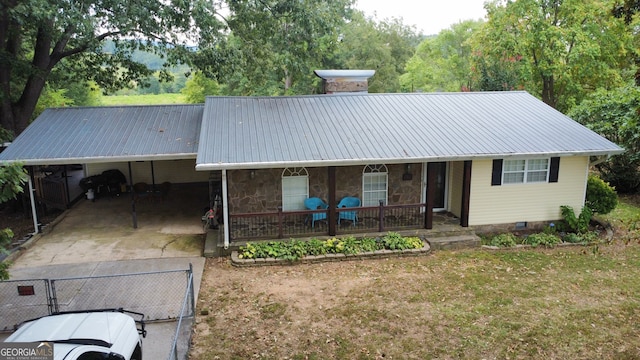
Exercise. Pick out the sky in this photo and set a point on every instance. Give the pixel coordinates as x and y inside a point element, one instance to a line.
<point>430,16</point>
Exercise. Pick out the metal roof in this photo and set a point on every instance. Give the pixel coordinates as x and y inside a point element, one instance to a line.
<point>108,134</point>
<point>323,130</point>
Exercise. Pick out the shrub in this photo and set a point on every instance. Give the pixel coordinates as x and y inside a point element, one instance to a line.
<point>504,240</point>
<point>601,197</point>
<point>579,224</point>
<point>297,249</point>
<point>544,239</point>
<point>572,238</point>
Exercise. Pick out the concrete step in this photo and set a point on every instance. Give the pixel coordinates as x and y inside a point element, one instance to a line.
<point>459,241</point>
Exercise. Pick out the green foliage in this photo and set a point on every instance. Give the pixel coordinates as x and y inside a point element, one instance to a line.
<point>295,249</point>
<point>613,113</point>
<point>504,240</point>
<point>160,99</point>
<point>558,49</point>
<point>542,239</point>
<point>5,239</point>
<point>12,178</point>
<point>198,87</point>
<point>578,224</point>
<point>384,46</point>
<point>61,42</point>
<point>443,62</point>
<point>586,238</point>
<point>273,46</point>
<point>601,197</point>
<point>395,241</point>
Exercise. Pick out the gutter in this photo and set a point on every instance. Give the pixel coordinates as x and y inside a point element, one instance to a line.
<point>351,162</point>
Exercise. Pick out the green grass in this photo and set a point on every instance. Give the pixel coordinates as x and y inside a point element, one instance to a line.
<point>578,302</point>
<point>151,99</point>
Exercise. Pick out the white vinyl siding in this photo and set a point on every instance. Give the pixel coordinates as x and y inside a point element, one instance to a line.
<point>525,171</point>
<point>537,201</point>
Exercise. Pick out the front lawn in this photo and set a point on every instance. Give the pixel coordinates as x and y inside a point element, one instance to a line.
<point>563,303</point>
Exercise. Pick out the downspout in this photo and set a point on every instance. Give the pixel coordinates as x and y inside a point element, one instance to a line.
<point>225,209</point>
<point>34,213</point>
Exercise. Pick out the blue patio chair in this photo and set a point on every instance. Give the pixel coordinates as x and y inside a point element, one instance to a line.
<point>349,202</point>
<point>315,203</point>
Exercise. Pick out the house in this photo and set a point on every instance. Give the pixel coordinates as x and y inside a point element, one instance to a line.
<point>485,158</point>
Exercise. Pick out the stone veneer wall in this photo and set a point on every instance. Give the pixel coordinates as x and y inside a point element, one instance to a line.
<point>263,193</point>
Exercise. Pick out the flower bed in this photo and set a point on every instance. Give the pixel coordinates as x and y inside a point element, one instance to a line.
<point>314,250</point>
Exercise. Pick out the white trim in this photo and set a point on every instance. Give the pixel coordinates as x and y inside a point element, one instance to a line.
<point>299,174</point>
<point>525,171</point>
<point>33,206</point>
<point>225,209</point>
<point>447,179</point>
<point>375,169</point>
<point>364,162</point>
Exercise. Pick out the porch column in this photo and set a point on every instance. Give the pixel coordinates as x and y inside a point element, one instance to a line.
<point>34,213</point>
<point>466,194</point>
<point>225,209</point>
<point>432,174</point>
<point>134,216</point>
<point>332,201</point>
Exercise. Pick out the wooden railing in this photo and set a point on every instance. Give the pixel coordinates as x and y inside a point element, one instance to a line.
<point>289,224</point>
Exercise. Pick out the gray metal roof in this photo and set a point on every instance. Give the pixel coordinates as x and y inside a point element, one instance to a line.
<point>108,134</point>
<point>322,130</point>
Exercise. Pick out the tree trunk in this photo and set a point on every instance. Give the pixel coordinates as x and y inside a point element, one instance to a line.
<point>548,91</point>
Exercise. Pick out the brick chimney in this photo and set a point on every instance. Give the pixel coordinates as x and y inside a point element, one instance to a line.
<point>345,81</point>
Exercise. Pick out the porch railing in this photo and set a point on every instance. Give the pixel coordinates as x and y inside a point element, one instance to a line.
<point>289,224</point>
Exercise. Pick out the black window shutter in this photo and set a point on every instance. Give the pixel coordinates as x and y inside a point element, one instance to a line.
<point>496,175</point>
<point>554,169</point>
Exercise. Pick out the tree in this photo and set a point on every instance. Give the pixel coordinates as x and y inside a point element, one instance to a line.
<point>39,36</point>
<point>12,178</point>
<point>198,87</point>
<point>384,46</point>
<point>442,62</point>
<point>274,45</point>
<point>614,114</point>
<point>628,10</point>
<point>565,48</point>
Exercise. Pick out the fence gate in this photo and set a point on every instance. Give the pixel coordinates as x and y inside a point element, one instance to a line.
<point>158,295</point>
<point>21,300</point>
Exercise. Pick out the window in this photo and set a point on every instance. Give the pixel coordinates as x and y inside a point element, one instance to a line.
<point>295,188</point>
<point>374,185</point>
<point>525,171</point>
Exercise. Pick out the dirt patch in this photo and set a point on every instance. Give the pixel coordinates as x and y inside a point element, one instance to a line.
<point>21,223</point>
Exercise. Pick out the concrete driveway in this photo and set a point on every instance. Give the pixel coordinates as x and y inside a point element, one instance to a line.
<point>103,231</point>
<point>98,238</point>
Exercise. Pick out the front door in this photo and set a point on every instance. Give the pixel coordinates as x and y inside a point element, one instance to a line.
<point>440,203</point>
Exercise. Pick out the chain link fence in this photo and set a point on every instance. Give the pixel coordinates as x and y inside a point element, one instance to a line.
<point>182,338</point>
<point>159,295</point>
<point>22,300</point>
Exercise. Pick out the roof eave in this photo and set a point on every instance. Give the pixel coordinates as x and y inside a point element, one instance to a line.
<point>98,160</point>
<point>352,162</point>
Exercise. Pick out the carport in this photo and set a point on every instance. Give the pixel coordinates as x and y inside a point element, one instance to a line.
<point>148,144</point>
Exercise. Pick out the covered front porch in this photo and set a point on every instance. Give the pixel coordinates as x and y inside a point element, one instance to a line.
<point>445,232</point>
<point>256,199</point>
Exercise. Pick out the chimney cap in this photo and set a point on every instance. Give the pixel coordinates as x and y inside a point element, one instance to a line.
<point>348,74</point>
